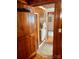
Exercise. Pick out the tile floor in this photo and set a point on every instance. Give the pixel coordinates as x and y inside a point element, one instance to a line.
<point>46,50</point>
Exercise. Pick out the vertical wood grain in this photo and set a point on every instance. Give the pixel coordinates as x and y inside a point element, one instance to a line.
<point>57,42</point>
<point>25,39</point>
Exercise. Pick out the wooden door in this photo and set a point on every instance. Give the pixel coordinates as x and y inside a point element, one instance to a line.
<point>33,34</point>
<point>23,42</point>
<point>26,34</point>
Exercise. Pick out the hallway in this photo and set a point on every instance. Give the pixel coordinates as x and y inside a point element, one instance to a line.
<point>40,57</point>
<point>44,52</point>
<point>46,49</point>
<point>35,31</point>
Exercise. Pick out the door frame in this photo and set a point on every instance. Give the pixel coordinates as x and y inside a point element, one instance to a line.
<point>57,40</point>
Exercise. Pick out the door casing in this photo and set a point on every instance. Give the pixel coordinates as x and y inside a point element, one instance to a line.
<point>57,40</point>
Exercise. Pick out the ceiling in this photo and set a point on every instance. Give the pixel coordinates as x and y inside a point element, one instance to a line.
<point>48,7</point>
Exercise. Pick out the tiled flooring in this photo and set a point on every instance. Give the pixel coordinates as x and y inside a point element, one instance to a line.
<point>50,40</point>
<point>46,50</point>
<point>50,37</point>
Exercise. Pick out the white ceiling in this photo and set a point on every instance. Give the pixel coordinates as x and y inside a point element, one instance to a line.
<point>47,9</point>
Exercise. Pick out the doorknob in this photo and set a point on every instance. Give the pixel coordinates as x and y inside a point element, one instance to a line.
<point>59,30</point>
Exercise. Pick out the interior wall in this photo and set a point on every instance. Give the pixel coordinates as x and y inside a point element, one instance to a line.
<point>40,11</point>
<point>50,22</point>
<point>42,19</point>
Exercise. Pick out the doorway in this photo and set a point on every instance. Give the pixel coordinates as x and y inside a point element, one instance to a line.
<point>38,31</point>
<point>45,25</point>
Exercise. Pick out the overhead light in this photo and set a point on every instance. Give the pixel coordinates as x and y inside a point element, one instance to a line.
<point>35,13</point>
<point>41,7</point>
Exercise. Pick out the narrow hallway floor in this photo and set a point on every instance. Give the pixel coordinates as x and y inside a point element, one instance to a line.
<point>44,52</point>
<point>40,57</point>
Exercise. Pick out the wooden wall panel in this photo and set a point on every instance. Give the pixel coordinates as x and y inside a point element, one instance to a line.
<point>38,2</point>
